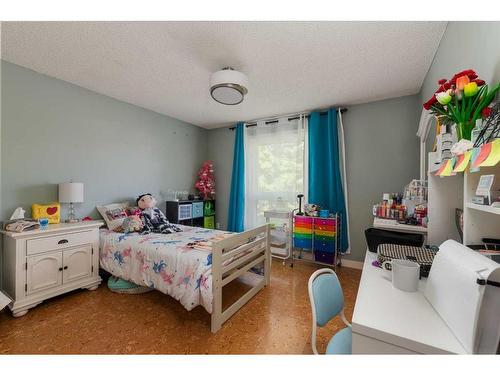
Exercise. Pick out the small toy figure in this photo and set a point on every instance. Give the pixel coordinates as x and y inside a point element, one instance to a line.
<point>153,219</point>
<point>132,223</point>
<point>311,209</point>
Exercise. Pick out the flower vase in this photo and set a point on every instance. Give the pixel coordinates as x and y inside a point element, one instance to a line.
<point>464,130</point>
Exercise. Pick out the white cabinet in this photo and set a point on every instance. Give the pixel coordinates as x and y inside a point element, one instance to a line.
<point>44,272</point>
<point>445,196</point>
<point>77,263</point>
<point>44,263</point>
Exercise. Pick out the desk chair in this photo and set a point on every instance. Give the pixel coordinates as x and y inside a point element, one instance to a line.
<point>327,301</point>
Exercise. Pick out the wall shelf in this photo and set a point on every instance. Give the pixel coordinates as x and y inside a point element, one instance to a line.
<point>446,194</point>
<point>480,207</point>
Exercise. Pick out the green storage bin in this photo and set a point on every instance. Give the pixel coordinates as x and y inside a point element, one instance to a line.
<point>209,222</point>
<point>209,208</point>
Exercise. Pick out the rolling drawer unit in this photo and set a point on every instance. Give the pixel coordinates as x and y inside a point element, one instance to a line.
<point>44,263</point>
<point>317,237</point>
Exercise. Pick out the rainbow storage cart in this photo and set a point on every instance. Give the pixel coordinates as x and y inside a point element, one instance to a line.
<point>316,239</point>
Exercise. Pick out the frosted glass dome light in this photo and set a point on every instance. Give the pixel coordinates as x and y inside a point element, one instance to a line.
<point>228,86</point>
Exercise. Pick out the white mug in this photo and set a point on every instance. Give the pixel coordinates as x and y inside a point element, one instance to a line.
<point>405,274</point>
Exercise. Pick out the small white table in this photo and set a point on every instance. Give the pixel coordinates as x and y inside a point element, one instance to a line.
<point>389,321</point>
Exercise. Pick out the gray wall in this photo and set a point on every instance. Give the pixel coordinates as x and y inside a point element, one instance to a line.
<point>465,45</point>
<point>220,150</point>
<point>1,241</point>
<point>382,156</point>
<point>53,131</point>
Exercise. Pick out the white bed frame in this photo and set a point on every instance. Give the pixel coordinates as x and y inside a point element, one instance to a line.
<point>255,244</point>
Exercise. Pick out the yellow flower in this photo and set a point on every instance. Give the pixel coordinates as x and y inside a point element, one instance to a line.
<point>470,89</point>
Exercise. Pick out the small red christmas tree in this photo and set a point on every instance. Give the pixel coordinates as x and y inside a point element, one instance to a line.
<point>206,180</point>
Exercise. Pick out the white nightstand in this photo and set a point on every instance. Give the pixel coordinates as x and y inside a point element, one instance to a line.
<point>44,263</point>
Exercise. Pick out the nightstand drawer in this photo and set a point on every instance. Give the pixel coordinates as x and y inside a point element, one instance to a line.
<point>41,245</point>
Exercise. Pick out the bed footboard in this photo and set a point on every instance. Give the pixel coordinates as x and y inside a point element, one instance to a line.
<point>233,257</point>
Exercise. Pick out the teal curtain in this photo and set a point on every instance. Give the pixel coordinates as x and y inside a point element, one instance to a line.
<point>236,214</point>
<point>325,183</point>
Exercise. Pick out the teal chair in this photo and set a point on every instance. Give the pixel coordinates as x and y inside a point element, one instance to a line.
<point>327,301</point>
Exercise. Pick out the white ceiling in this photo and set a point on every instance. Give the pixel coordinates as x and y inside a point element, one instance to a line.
<point>291,66</point>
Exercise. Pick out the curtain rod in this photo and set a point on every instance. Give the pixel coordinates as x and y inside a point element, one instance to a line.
<point>294,117</point>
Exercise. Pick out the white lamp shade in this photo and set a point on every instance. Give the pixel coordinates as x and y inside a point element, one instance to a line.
<point>71,192</point>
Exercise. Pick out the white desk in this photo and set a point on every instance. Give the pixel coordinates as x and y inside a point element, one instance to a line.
<point>397,227</point>
<point>393,225</point>
<point>389,321</point>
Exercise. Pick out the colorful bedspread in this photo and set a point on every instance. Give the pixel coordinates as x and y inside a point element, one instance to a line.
<point>177,264</point>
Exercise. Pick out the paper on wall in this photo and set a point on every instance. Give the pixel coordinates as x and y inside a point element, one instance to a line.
<point>484,151</point>
<point>494,156</point>
<point>474,154</point>
<point>448,169</point>
<point>453,291</point>
<point>462,162</point>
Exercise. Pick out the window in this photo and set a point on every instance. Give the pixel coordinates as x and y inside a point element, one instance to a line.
<point>275,168</point>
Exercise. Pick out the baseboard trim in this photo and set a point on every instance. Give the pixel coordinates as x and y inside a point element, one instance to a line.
<point>352,264</point>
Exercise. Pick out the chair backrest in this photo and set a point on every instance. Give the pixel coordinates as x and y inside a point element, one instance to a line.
<point>325,294</point>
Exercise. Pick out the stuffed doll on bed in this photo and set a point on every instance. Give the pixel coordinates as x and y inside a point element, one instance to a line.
<point>154,221</point>
<point>133,221</point>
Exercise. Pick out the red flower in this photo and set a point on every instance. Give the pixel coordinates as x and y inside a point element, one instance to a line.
<point>444,87</point>
<point>428,104</point>
<point>479,82</point>
<point>469,73</point>
<point>442,81</point>
<point>486,112</point>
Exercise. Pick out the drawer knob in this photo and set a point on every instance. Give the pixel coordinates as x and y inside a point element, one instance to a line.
<point>61,242</point>
<point>65,267</point>
<point>60,268</point>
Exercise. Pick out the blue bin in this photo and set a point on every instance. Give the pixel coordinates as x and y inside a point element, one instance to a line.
<point>323,257</point>
<point>197,209</point>
<point>326,246</point>
<point>302,243</point>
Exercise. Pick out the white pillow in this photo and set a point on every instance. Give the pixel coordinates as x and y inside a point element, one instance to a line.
<point>114,214</point>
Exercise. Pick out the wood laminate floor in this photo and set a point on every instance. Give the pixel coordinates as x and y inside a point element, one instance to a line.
<point>276,321</point>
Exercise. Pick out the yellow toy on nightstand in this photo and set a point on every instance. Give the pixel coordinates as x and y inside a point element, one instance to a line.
<point>50,211</point>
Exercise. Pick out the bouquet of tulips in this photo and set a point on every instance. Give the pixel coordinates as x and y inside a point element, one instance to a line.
<point>462,100</point>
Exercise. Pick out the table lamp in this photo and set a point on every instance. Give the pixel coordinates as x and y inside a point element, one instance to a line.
<point>71,192</point>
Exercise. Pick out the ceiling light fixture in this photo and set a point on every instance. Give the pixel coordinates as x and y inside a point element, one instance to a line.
<point>228,86</point>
